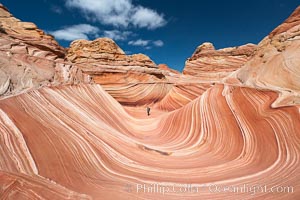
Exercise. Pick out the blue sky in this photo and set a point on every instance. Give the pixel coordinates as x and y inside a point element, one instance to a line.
<point>166,30</point>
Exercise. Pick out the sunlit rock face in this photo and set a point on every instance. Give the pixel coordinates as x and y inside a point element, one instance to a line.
<point>167,68</point>
<point>181,94</point>
<point>130,79</point>
<point>56,139</point>
<point>213,65</point>
<point>204,136</point>
<point>276,63</point>
<point>105,61</point>
<point>30,59</point>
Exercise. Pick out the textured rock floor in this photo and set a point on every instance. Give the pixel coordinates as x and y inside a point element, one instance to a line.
<point>73,123</point>
<point>78,142</point>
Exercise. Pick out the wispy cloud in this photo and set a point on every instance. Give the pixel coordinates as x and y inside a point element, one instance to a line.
<point>87,31</point>
<point>80,31</point>
<point>158,43</point>
<point>117,35</point>
<point>56,9</point>
<point>147,44</point>
<point>118,13</point>
<point>139,42</point>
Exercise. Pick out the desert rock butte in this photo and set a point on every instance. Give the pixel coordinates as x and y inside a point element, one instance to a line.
<point>73,122</point>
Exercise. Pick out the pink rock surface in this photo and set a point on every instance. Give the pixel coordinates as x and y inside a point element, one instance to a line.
<point>70,140</point>
<point>80,134</point>
<point>103,58</point>
<point>105,51</point>
<point>209,64</point>
<point>276,64</point>
<point>130,79</point>
<point>30,59</point>
<point>167,68</point>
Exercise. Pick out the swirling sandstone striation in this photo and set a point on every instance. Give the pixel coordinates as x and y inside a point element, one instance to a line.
<point>29,58</point>
<point>79,142</point>
<point>80,134</point>
<point>276,63</point>
<point>131,79</point>
<point>213,65</point>
<point>184,90</point>
<point>206,67</point>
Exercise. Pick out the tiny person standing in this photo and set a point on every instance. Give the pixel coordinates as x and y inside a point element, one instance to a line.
<point>148,110</point>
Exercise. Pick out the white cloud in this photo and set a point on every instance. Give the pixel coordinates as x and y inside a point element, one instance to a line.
<point>117,35</point>
<point>139,42</point>
<point>119,13</point>
<point>146,43</point>
<point>80,31</point>
<point>158,43</point>
<point>147,18</point>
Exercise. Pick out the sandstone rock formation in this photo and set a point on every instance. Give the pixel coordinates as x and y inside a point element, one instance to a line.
<point>29,58</point>
<point>206,138</point>
<point>106,52</point>
<point>119,74</point>
<point>181,94</point>
<point>276,63</point>
<point>213,65</point>
<point>228,136</point>
<point>167,68</point>
<point>106,62</point>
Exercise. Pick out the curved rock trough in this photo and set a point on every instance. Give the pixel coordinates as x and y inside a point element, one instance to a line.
<point>73,122</point>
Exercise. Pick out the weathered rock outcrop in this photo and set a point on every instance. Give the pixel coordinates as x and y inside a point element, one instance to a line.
<point>276,63</point>
<point>213,65</point>
<point>106,52</point>
<point>29,58</point>
<point>28,34</point>
<point>107,63</point>
<point>130,79</point>
<point>167,68</point>
<point>201,141</point>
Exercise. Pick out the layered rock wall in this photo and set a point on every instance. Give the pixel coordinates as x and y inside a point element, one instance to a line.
<point>30,59</point>
<point>276,63</point>
<point>212,65</point>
